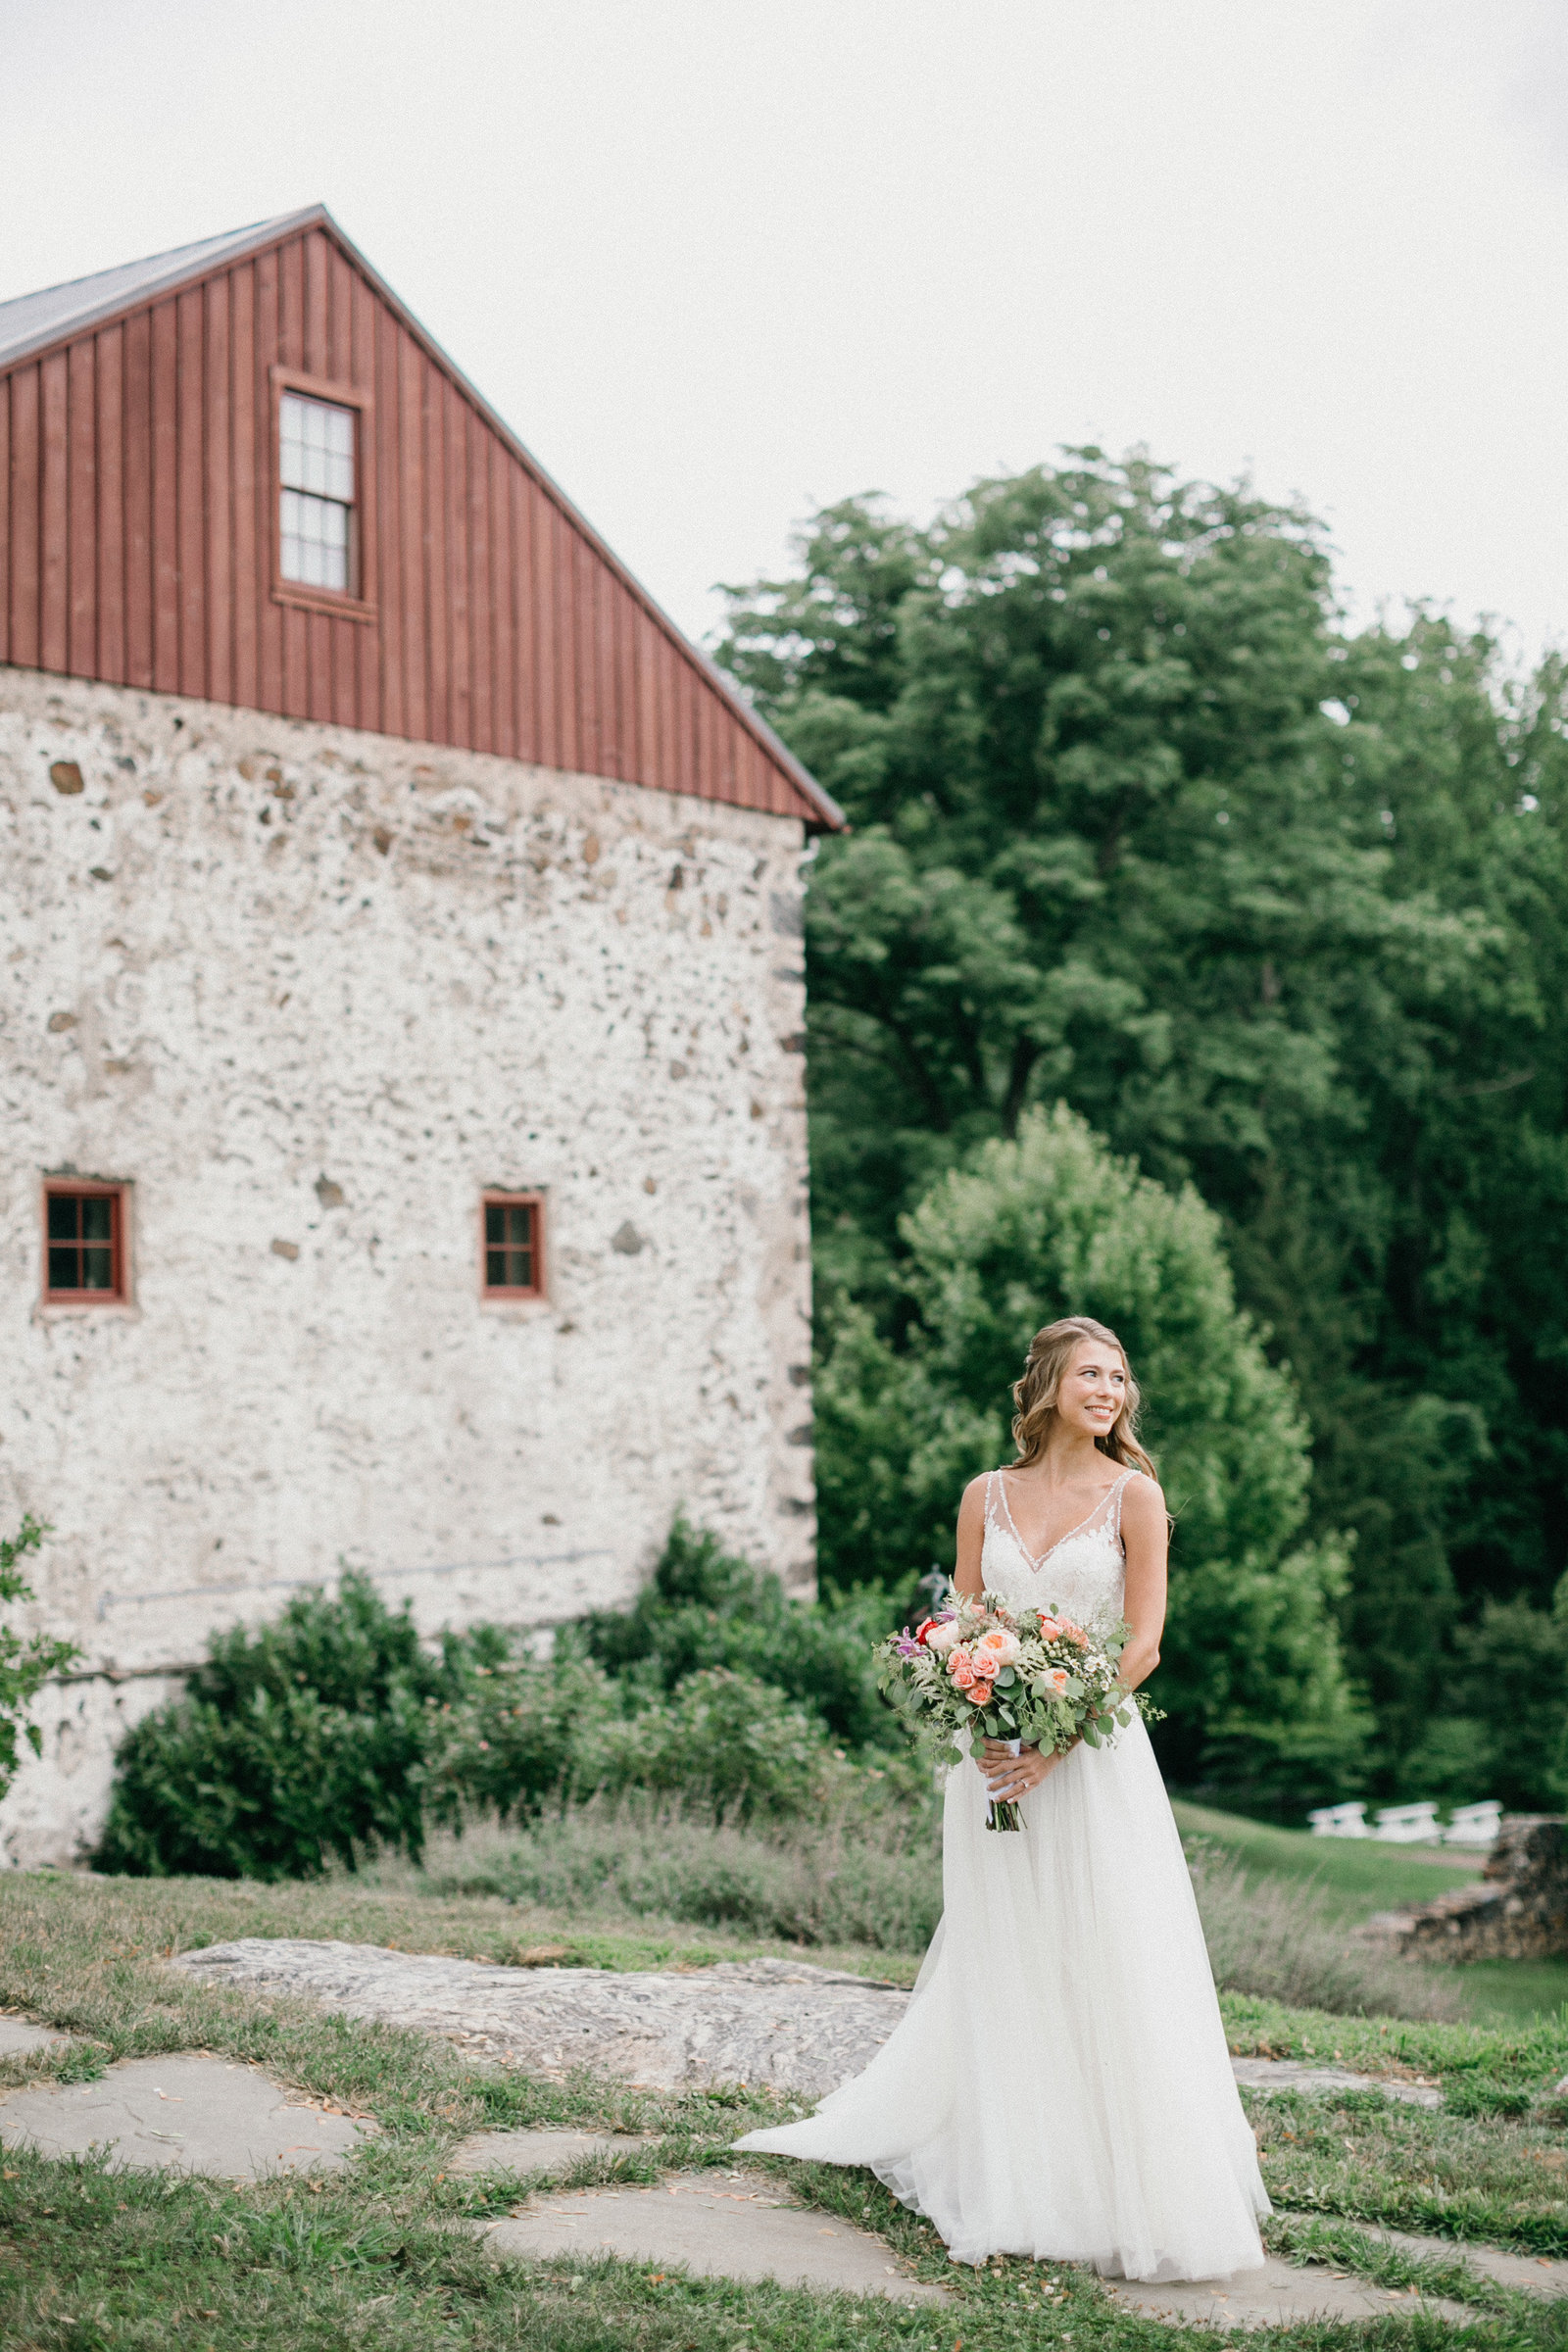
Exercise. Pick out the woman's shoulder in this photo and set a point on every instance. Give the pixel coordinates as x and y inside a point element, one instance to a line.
<point>974,1493</point>
<point>1139,1492</point>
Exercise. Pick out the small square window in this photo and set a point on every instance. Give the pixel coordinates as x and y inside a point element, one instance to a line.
<point>317,542</point>
<point>514,1246</point>
<point>84,1245</point>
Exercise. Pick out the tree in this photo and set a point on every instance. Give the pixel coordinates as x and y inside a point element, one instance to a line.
<point>1048,1224</point>
<point>1280,909</point>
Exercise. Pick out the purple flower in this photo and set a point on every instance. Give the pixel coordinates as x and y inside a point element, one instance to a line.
<point>905,1648</point>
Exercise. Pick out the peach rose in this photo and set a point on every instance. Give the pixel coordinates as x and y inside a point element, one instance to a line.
<point>942,1636</point>
<point>980,1695</point>
<point>1050,1629</point>
<point>961,1669</point>
<point>1074,1633</point>
<point>997,1649</point>
<point>1055,1680</point>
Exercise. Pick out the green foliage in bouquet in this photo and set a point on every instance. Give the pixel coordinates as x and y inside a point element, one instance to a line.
<point>1253,1675</point>
<point>25,1662</point>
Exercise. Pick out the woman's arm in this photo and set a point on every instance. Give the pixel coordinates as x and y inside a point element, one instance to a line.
<point>1146,1537</point>
<point>967,1578</point>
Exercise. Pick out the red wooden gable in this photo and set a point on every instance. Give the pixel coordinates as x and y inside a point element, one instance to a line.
<point>138,506</point>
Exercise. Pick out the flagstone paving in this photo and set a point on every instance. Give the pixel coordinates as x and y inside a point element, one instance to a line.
<point>538,2152</point>
<point>1281,2295</point>
<point>728,2226</point>
<point>196,2112</point>
<point>20,2036</point>
<point>798,2029</point>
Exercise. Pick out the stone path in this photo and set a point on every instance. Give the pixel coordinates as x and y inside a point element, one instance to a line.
<point>1529,2274</point>
<point>19,2038</point>
<point>538,2152</point>
<point>201,2114</point>
<point>776,2022</point>
<point>783,2023</point>
<point>1279,2295</point>
<point>728,2226</point>
<point>1294,2073</point>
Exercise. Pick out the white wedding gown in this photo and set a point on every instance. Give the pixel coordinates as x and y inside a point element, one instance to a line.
<point>1059,2084</point>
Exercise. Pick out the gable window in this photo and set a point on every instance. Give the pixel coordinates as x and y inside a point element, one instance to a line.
<point>514,1246</point>
<point>318,538</point>
<point>84,1244</point>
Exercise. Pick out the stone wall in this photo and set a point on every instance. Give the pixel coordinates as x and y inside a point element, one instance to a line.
<point>308,991</point>
<point>1519,1910</point>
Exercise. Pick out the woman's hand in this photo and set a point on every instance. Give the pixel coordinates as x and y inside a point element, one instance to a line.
<point>1010,1776</point>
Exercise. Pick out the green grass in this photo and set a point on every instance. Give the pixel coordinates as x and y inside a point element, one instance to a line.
<point>384,2253</point>
<point>1354,1876</point>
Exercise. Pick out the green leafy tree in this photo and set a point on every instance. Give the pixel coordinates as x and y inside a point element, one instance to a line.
<point>26,1661</point>
<point>1052,1223</point>
<point>1283,911</point>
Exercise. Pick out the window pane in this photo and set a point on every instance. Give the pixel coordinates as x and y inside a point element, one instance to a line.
<point>520,1274</point>
<point>495,1222</point>
<point>95,1218</point>
<point>62,1272</point>
<point>495,1270</point>
<point>99,1270</point>
<point>61,1216</point>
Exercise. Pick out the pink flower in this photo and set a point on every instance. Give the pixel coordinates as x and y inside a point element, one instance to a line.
<point>942,1636</point>
<point>980,1695</point>
<point>1074,1633</point>
<point>961,1669</point>
<point>1050,1629</point>
<point>1055,1681</point>
<point>997,1649</point>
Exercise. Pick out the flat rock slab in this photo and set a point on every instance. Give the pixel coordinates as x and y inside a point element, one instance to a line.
<point>1279,2295</point>
<point>18,2037</point>
<point>191,2114</point>
<point>734,2226</point>
<point>1296,2073</point>
<point>1531,2274</point>
<point>538,2152</point>
<point>798,2029</point>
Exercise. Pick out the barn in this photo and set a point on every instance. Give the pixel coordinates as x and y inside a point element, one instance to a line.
<point>402,1022</point>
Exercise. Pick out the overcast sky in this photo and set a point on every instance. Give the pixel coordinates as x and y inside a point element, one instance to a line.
<point>718,260</point>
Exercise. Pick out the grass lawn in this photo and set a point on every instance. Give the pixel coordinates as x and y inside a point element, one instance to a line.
<point>1355,1876</point>
<point>380,2254</point>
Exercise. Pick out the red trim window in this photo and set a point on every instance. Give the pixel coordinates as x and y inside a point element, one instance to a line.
<point>512,1245</point>
<point>322,548</point>
<point>84,1245</point>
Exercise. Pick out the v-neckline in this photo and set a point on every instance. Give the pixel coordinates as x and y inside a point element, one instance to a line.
<point>1031,1561</point>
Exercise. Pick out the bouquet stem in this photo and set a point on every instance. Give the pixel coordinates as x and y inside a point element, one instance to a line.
<point>1003,1811</point>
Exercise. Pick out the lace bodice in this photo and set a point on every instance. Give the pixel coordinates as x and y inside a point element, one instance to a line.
<point>1084,1573</point>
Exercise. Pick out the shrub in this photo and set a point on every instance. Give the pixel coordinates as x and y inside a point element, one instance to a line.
<point>1267,1935</point>
<point>725,1742</point>
<point>25,1665</point>
<point>306,1740</point>
<point>704,1608</point>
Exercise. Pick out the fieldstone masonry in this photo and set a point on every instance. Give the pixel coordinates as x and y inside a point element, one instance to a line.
<point>1518,1911</point>
<point>308,991</point>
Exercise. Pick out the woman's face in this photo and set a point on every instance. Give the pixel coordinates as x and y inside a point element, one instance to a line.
<point>1093,1389</point>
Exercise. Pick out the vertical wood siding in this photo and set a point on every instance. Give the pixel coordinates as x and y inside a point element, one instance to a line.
<point>137,493</point>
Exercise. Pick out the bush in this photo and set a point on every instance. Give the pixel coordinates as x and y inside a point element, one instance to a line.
<point>1267,1935</point>
<point>704,1608</point>
<point>305,1740</point>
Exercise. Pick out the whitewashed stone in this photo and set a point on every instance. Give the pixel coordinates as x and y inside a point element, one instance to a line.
<point>310,990</point>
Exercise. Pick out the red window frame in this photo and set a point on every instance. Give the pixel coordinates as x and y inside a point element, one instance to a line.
<point>359,605</point>
<point>535,1246</point>
<point>71,1188</point>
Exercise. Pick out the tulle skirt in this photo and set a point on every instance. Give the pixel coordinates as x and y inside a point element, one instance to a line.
<point>1060,2085</point>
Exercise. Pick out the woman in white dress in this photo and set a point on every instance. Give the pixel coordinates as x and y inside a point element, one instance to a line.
<point>1060,2085</point>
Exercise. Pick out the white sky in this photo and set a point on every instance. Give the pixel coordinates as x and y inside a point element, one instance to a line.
<point>718,260</point>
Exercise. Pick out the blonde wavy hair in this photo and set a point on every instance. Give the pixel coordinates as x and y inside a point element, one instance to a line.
<point>1050,1351</point>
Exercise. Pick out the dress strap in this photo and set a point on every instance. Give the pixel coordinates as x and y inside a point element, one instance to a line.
<point>991,1497</point>
<point>1113,1515</point>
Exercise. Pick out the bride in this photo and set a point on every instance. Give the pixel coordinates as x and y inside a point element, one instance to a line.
<point>1059,2084</point>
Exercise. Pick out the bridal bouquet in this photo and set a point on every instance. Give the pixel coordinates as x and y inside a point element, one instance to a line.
<point>979,1670</point>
